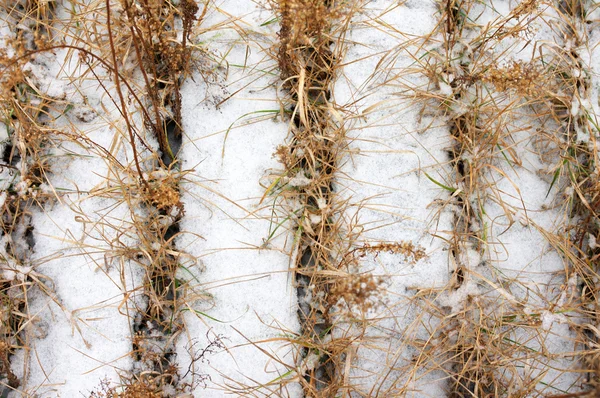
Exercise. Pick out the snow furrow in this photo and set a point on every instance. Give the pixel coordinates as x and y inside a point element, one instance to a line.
<point>81,328</point>
<point>241,301</point>
<point>81,246</point>
<point>393,150</point>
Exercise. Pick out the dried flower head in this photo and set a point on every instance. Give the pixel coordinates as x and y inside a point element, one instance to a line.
<point>525,79</point>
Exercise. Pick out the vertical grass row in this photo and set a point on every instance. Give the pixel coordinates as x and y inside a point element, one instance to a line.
<point>468,158</point>
<point>145,48</point>
<point>485,340</point>
<point>574,110</point>
<point>26,118</point>
<point>159,39</point>
<point>309,55</point>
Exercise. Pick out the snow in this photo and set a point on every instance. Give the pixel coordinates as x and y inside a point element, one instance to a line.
<point>83,310</point>
<point>252,302</point>
<point>80,332</point>
<point>241,304</point>
<point>87,333</point>
<point>384,179</point>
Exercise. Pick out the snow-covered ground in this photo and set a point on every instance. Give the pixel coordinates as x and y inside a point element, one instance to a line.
<point>81,330</point>
<point>241,305</point>
<point>384,179</point>
<point>246,298</point>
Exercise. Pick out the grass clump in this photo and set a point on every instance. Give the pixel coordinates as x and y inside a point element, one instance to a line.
<point>574,141</point>
<point>311,44</point>
<point>486,335</point>
<point>164,61</point>
<point>26,116</point>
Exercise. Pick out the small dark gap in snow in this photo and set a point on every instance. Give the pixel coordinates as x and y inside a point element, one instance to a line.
<point>175,138</point>
<point>10,155</point>
<point>172,231</point>
<point>29,237</point>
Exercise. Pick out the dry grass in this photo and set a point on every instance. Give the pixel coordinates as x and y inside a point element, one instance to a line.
<point>332,291</point>
<point>575,141</point>
<point>148,187</point>
<point>151,31</point>
<point>164,61</point>
<point>27,115</point>
<point>495,344</point>
<point>484,344</point>
<point>311,45</point>
<point>140,52</point>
